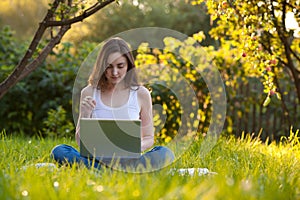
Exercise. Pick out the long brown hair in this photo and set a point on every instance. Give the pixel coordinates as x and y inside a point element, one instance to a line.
<point>97,78</point>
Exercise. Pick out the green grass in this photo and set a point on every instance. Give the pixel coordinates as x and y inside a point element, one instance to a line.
<point>247,169</point>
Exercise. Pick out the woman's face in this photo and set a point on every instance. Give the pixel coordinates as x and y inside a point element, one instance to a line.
<point>116,69</point>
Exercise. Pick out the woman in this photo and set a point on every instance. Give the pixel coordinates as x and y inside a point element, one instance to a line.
<point>113,92</point>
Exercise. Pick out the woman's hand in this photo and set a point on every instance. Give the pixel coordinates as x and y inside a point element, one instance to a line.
<point>87,106</point>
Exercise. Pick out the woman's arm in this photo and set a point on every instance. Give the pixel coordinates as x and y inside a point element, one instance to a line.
<point>86,106</point>
<point>145,102</point>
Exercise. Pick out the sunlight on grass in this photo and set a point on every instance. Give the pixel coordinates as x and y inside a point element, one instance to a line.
<point>246,167</point>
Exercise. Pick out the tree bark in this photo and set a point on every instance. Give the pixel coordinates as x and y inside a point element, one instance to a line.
<point>287,40</point>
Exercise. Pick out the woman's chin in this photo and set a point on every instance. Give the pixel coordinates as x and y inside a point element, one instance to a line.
<point>115,82</point>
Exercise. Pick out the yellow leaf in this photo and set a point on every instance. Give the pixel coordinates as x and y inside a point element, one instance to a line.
<point>267,101</point>
<point>278,95</point>
<point>239,114</point>
<point>165,107</point>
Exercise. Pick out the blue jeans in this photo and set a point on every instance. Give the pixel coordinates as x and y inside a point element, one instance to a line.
<point>156,158</point>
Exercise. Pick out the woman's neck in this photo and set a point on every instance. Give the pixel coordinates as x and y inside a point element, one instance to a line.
<point>115,87</point>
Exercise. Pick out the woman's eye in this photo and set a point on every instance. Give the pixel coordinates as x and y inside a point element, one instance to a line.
<point>121,65</point>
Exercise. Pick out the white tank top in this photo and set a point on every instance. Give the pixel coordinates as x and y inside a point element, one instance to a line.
<point>130,110</point>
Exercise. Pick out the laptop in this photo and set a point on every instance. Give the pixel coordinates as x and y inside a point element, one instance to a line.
<point>109,139</point>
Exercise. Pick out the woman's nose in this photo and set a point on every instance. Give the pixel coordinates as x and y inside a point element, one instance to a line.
<point>114,71</point>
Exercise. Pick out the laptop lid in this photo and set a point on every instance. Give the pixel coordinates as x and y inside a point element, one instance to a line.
<point>108,138</point>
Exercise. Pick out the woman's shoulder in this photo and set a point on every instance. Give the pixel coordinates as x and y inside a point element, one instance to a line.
<point>143,92</point>
<point>87,91</point>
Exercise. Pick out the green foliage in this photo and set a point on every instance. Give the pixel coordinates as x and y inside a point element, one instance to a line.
<point>175,15</point>
<point>251,57</point>
<point>57,124</point>
<point>257,44</point>
<point>176,60</point>
<point>25,15</point>
<point>256,35</point>
<point>163,96</point>
<point>246,105</point>
<point>25,106</point>
<point>246,167</point>
<point>10,51</point>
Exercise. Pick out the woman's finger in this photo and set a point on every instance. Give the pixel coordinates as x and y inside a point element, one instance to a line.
<point>89,104</point>
<point>88,98</point>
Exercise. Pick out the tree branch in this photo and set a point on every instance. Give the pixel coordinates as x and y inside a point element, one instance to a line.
<point>88,12</point>
<point>286,113</point>
<point>280,33</point>
<point>294,53</point>
<point>44,53</point>
<point>25,67</point>
<point>287,46</point>
<point>14,76</point>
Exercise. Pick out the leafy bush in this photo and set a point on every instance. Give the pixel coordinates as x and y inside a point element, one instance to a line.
<point>10,51</point>
<point>57,124</point>
<point>30,105</point>
<point>24,108</point>
<point>171,66</point>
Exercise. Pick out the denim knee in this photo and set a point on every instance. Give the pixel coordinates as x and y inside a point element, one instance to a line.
<point>168,154</point>
<point>158,157</point>
<point>64,153</point>
<point>57,152</point>
<point>67,154</point>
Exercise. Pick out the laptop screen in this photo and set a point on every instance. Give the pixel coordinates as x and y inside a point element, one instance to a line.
<point>107,138</point>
